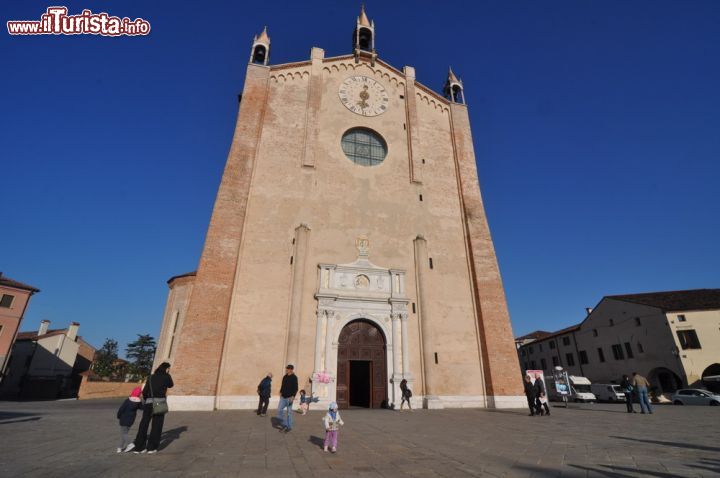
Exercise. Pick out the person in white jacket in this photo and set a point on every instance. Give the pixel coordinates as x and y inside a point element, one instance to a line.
<point>332,422</point>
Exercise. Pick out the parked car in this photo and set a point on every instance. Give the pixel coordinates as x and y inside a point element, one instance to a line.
<point>607,392</point>
<point>695,396</point>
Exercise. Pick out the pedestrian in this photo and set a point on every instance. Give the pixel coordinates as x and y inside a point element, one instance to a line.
<point>303,406</point>
<point>264,392</point>
<point>288,390</point>
<point>540,397</point>
<point>406,394</point>
<point>627,387</point>
<point>305,401</point>
<point>641,385</point>
<point>126,415</point>
<point>332,422</point>
<point>154,409</point>
<point>530,394</point>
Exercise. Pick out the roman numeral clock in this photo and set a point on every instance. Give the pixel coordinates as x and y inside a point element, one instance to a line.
<point>364,96</point>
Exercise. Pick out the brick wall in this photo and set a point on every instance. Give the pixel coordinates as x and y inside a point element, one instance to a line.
<point>502,371</point>
<point>200,347</point>
<point>90,389</point>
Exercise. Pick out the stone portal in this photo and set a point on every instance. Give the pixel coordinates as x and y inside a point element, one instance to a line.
<point>361,331</point>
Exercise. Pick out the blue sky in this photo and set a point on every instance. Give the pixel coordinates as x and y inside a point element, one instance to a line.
<point>596,126</point>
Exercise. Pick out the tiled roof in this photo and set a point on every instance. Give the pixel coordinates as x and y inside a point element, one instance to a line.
<point>34,335</point>
<point>6,281</point>
<point>538,334</point>
<point>187,274</point>
<point>572,328</point>
<point>542,335</point>
<point>696,299</point>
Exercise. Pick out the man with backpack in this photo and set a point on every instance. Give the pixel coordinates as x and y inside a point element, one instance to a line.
<point>264,392</point>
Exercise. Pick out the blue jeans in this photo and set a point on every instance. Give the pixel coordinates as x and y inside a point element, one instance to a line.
<point>285,404</point>
<point>644,400</point>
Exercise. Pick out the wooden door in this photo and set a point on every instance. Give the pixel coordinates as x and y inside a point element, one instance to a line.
<point>361,340</point>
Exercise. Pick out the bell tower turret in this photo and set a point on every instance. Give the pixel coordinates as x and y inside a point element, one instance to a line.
<point>454,88</point>
<point>260,54</point>
<point>364,37</point>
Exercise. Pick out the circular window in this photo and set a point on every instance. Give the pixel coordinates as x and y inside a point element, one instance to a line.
<point>364,146</point>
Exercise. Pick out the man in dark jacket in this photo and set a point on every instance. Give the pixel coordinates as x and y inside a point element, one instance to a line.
<point>288,390</point>
<point>530,395</point>
<point>264,392</point>
<point>540,399</point>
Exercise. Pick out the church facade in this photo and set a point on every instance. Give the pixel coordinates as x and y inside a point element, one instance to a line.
<point>348,238</point>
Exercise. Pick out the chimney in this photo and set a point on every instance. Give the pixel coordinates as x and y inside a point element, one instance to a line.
<point>588,310</point>
<point>72,330</point>
<point>44,324</point>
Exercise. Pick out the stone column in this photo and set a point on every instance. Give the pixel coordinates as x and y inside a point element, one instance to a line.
<point>329,340</point>
<point>405,346</point>
<point>319,329</point>
<point>296,298</point>
<point>395,317</point>
<point>396,375</point>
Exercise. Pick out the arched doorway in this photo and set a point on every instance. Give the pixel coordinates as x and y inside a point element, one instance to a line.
<point>362,366</point>
<point>665,380</point>
<point>711,378</point>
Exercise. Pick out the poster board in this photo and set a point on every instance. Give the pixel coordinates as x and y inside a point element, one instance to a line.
<point>562,383</point>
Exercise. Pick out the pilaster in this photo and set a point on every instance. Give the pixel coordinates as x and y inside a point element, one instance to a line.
<point>302,233</point>
<point>411,126</point>
<point>424,317</point>
<point>312,110</point>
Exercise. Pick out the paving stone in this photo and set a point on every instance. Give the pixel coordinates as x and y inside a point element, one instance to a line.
<point>78,439</point>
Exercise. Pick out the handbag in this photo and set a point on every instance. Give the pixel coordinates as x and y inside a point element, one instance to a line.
<point>158,408</point>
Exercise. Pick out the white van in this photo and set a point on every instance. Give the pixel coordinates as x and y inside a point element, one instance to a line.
<point>607,392</point>
<point>580,390</point>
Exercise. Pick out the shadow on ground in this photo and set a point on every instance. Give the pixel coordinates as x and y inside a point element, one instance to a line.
<point>671,443</point>
<point>317,441</point>
<point>7,418</point>
<point>170,436</point>
<point>707,464</point>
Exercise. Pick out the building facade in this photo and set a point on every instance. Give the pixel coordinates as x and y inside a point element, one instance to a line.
<point>14,299</point>
<point>47,364</point>
<point>672,338</point>
<point>542,350</point>
<point>348,238</point>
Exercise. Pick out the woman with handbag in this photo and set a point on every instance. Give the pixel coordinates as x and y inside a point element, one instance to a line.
<point>406,394</point>
<point>154,410</point>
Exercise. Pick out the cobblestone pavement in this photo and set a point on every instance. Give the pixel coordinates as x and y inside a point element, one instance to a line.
<point>78,439</point>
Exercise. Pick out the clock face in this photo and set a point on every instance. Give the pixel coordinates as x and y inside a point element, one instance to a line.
<point>364,96</point>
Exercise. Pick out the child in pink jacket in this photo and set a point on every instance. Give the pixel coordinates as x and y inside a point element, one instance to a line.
<point>332,422</point>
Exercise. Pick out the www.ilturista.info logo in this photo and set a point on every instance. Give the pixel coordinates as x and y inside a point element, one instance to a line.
<point>56,21</point>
